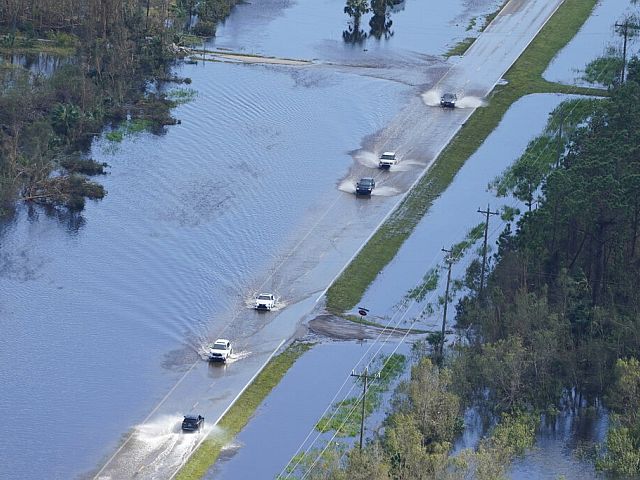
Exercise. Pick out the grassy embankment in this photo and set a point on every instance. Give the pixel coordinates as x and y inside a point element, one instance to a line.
<point>524,78</point>
<point>240,413</point>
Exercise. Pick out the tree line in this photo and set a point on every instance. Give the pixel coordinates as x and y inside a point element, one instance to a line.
<point>114,50</point>
<point>557,325</point>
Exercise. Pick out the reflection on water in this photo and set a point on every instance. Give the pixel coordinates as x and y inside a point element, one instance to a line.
<point>105,315</point>
<point>560,443</point>
<point>447,222</point>
<point>100,319</point>
<point>591,42</point>
<point>37,63</point>
<point>286,419</point>
<point>452,215</point>
<point>314,30</point>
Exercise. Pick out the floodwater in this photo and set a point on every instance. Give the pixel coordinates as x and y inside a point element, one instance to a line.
<point>257,449</point>
<point>559,441</point>
<point>563,446</point>
<point>104,312</point>
<point>284,424</point>
<point>289,29</point>
<point>592,41</point>
<point>100,316</point>
<point>447,222</point>
<point>451,217</point>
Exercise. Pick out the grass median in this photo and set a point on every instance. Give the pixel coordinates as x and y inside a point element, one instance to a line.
<point>524,78</point>
<point>240,413</point>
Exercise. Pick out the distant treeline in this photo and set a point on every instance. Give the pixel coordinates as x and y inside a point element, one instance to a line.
<point>117,49</point>
<point>103,18</point>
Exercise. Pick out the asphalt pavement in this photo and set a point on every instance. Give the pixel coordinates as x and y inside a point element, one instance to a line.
<point>334,232</point>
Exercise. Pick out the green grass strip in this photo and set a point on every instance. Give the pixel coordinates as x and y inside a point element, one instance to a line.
<point>240,413</point>
<point>460,48</point>
<point>524,77</point>
<point>346,416</point>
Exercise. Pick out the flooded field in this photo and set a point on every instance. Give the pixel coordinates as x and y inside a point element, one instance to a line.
<point>284,424</point>
<point>596,35</point>
<point>105,314</point>
<point>447,222</point>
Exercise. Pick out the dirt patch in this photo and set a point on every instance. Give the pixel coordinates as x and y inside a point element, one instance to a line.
<point>238,57</point>
<point>338,328</point>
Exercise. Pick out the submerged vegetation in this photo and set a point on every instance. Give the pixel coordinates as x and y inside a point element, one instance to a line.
<point>417,437</point>
<point>561,311</point>
<point>346,415</point>
<point>557,325</point>
<point>524,77</point>
<point>117,56</point>
<point>463,45</point>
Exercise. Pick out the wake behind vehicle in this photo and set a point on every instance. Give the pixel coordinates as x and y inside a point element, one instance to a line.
<point>365,186</point>
<point>220,350</point>
<point>265,301</point>
<point>448,100</point>
<point>387,160</point>
<point>192,423</point>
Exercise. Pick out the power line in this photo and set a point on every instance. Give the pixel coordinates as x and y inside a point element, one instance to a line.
<point>366,377</point>
<point>625,32</point>
<point>401,340</point>
<point>449,261</point>
<point>486,212</point>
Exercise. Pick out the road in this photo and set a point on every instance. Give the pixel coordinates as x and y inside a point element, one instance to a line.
<point>335,230</point>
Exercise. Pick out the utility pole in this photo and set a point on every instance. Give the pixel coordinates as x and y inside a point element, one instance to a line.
<point>486,212</point>
<point>366,377</point>
<point>560,143</point>
<point>146,22</point>
<point>625,32</point>
<point>449,261</point>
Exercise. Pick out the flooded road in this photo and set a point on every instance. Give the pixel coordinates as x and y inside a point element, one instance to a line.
<point>451,217</point>
<point>557,440</point>
<point>104,315</point>
<point>284,423</point>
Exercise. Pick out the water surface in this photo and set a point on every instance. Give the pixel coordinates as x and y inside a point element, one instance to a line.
<point>103,312</point>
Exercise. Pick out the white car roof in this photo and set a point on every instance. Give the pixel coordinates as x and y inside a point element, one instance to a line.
<point>222,340</point>
<point>391,154</point>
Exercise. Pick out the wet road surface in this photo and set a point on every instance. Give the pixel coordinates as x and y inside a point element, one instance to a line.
<point>319,250</point>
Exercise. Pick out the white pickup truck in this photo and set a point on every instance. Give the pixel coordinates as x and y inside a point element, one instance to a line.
<point>265,301</point>
<point>387,160</point>
<point>220,350</point>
